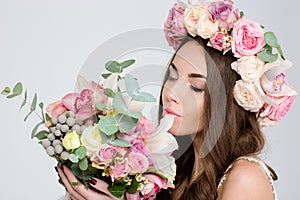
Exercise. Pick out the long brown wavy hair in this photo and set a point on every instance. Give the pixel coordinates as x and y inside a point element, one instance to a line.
<point>240,134</point>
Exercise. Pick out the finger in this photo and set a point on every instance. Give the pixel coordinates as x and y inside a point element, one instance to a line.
<point>70,188</point>
<point>102,186</point>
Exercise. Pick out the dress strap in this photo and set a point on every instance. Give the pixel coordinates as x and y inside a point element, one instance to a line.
<point>251,159</point>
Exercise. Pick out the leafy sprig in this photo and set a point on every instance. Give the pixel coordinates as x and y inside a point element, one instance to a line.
<point>18,91</point>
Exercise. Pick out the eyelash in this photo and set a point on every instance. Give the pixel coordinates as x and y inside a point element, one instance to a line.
<point>192,87</point>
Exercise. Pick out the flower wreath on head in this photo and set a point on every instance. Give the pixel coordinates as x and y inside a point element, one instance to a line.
<point>260,61</point>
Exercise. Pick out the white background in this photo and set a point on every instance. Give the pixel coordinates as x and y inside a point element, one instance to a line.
<point>45,43</point>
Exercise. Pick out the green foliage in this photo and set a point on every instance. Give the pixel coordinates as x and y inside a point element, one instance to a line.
<point>108,92</point>
<point>117,190</point>
<point>34,130</point>
<point>107,124</point>
<point>133,187</point>
<point>83,164</point>
<point>73,158</point>
<point>271,43</point>
<point>80,152</point>
<point>120,143</point>
<point>41,135</point>
<point>5,91</point>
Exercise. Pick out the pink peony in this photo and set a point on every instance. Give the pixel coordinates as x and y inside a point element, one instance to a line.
<point>275,113</point>
<point>174,27</point>
<point>138,162</point>
<point>247,38</point>
<point>119,170</point>
<point>222,11</point>
<point>106,153</point>
<point>221,41</point>
<point>55,109</point>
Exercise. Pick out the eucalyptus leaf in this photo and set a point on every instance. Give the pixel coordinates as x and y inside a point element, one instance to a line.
<point>41,105</point>
<point>18,88</point>
<point>109,92</point>
<point>12,96</point>
<point>34,130</point>
<point>102,107</point>
<point>131,84</point>
<point>119,102</point>
<point>280,52</point>
<point>144,97</point>
<point>47,117</point>
<point>73,158</point>
<point>117,190</point>
<point>108,125</point>
<point>133,187</point>
<point>132,114</point>
<point>24,101</point>
<point>120,143</point>
<point>5,91</point>
<point>83,164</point>
<point>42,135</point>
<point>267,56</point>
<point>83,175</point>
<point>127,63</point>
<point>105,76</point>
<point>28,115</point>
<point>271,39</point>
<point>113,66</point>
<point>33,103</point>
<point>126,123</point>
<point>242,14</point>
<point>80,152</point>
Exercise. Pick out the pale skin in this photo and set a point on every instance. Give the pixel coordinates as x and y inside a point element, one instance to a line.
<point>183,96</point>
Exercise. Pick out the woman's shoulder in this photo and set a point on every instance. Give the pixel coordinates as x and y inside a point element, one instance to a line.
<point>247,178</point>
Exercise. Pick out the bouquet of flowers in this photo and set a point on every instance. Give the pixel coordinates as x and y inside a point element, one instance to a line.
<point>100,132</point>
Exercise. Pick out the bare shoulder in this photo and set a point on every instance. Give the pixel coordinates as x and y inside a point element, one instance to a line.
<point>246,180</point>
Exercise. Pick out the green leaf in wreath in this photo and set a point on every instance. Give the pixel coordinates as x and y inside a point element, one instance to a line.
<point>80,152</point>
<point>267,56</point>
<point>73,158</point>
<point>108,125</point>
<point>83,164</point>
<point>271,39</point>
<point>117,190</point>
<point>5,91</point>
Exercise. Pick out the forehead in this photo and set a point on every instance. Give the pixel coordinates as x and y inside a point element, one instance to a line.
<point>190,58</point>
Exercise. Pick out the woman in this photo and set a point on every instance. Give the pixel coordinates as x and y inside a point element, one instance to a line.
<point>219,108</point>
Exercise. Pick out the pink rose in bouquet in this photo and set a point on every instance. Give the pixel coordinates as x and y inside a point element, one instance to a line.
<point>247,38</point>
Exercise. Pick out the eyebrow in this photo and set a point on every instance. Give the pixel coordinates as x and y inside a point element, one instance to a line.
<point>191,75</point>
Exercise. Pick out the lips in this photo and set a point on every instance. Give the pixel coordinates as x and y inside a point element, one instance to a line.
<point>168,111</point>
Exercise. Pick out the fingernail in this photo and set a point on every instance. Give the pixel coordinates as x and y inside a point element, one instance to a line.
<point>56,169</point>
<point>92,181</point>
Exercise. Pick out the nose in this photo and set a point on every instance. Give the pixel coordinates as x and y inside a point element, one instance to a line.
<point>172,93</point>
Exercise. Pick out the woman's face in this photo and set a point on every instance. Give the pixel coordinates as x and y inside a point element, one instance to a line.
<point>183,93</point>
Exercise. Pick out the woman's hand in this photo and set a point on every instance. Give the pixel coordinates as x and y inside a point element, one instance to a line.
<point>79,192</point>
